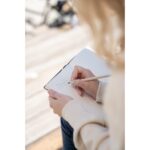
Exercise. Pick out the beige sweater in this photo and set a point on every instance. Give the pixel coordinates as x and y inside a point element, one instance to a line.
<point>99,126</point>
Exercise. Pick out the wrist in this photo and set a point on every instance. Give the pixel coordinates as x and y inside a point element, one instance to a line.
<point>95,89</point>
<point>100,91</point>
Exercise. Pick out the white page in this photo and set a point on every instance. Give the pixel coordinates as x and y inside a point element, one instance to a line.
<point>86,59</point>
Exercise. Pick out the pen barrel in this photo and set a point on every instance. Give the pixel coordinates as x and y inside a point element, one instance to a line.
<point>90,79</point>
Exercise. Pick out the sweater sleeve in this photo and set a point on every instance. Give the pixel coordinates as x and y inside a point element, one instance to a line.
<point>88,121</point>
<point>100,91</point>
<point>91,121</point>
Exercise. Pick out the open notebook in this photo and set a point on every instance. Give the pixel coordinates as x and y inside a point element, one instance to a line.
<point>87,59</point>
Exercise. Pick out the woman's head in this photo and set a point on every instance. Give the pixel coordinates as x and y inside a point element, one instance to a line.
<point>106,20</point>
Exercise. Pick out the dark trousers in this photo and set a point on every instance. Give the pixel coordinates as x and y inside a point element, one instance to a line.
<point>67,135</point>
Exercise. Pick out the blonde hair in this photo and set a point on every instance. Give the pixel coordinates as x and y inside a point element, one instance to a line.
<point>106,20</point>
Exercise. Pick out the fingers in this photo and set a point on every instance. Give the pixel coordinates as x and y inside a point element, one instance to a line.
<point>78,72</point>
<point>80,84</point>
<point>52,102</point>
<point>53,94</point>
<point>57,101</point>
<point>80,91</point>
<point>56,95</point>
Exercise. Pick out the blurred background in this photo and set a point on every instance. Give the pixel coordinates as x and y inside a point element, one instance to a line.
<point>53,36</point>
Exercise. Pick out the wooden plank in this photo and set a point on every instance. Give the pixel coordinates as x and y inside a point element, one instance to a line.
<point>51,141</point>
<point>52,47</point>
<point>41,34</point>
<point>64,38</point>
<point>40,118</point>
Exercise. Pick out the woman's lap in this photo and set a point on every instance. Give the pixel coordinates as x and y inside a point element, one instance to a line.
<point>67,135</point>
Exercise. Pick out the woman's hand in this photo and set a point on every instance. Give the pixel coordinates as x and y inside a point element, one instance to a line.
<point>57,101</point>
<point>89,87</point>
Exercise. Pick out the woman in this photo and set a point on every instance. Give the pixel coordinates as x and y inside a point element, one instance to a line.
<point>101,126</point>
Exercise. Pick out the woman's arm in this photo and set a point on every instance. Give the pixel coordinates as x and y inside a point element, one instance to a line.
<point>99,127</point>
<point>88,120</point>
